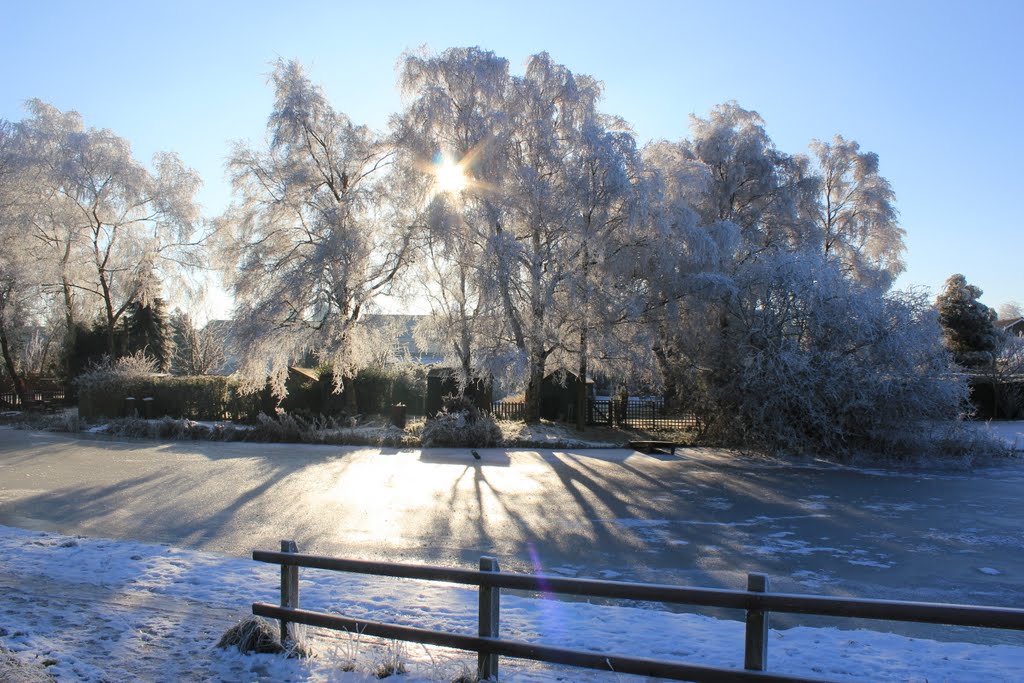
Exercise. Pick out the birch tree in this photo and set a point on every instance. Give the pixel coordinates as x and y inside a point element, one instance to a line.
<point>20,283</point>
<point>548,181</point>
<point>453,132</point>
<point>739,176</point>
<point>311,239</point>
<point>855,212</point>
<point>114,228</point>
<point>688,271</point>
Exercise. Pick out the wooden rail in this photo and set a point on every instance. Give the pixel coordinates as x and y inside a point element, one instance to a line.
<point>11,399</point>
<point>756,601</point>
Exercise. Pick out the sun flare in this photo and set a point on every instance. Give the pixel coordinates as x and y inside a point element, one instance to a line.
<point>450,176</point>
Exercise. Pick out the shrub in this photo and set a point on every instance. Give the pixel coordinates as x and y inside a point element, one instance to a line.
<point>102,391</point>
<point>461,424</point>
<point>129,428</point>
<point>171,428</point>
<point>812,362</point>
<point>284,428</point>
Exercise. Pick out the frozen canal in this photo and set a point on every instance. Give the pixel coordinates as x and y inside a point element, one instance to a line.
<point>702,517</point>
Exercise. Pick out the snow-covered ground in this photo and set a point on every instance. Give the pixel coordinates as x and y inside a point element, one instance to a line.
<point>1012,432</point>
<point>98,610</point>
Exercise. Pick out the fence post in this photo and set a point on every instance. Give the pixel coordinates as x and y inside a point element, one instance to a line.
<point>490,607</point>
<point>289,589</point>
<point>755,654</point>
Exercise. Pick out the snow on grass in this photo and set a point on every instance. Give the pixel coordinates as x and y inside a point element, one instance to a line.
<point>98,610</point>
<point>545,435</point>
<point>1010,432</point>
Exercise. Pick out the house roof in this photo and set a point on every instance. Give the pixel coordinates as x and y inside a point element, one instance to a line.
<point>1011,325</point>
<point>308,373</point>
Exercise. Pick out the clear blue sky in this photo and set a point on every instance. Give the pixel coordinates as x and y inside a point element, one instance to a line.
<point>936,89</point>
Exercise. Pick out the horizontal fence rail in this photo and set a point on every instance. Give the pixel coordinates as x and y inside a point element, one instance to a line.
<point>11,398</point>
<point>648,414</point>
<point>756,601</point>
<point>521,650</point>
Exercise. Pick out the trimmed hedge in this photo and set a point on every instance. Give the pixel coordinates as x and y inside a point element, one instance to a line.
<point>196,398</point>
<point>103,394</point>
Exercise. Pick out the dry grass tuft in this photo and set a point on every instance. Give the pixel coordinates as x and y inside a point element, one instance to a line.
<point>252,634</point>
<point>13,670</point>
<point>392,661</point>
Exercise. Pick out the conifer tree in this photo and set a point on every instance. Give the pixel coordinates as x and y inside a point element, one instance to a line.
<point>969,325</point>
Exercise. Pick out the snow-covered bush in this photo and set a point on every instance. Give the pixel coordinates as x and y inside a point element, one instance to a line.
<point>284,428</point>
<point>461,424</point>
<point>171,428</point>
<point>130,428</point>
<point>819,363</point>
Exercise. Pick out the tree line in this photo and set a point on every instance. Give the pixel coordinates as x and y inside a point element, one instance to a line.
<point>751,286</point>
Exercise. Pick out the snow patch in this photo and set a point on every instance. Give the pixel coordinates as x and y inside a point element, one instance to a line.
<point>106,610</point>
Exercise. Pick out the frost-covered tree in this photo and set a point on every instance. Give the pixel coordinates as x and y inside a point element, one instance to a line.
<point>196,351</point>
<point>311,239</point>
<point>685,271</point>
<point>855,212</point>
<point>452,132</point>
<point>731,198</point>
<point>1010,310</point>
<point>20,285</point>
<point>545,200</point>
<point>820,362</point>
<point>969,325</point>
<point>26,329</point>
<point>114,228</point>
<point>738,175</point>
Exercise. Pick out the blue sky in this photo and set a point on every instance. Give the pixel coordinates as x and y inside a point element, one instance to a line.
<point>934,88</point>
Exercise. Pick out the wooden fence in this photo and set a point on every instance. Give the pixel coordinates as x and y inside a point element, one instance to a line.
<point>10,399</point>
<point>508,410</point>
<point>756,601</point>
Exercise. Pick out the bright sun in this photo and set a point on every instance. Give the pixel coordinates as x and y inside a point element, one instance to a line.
<point>450,177</point>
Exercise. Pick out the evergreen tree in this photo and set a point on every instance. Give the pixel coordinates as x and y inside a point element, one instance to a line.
<point>146,330</point>
<point>969,325</point>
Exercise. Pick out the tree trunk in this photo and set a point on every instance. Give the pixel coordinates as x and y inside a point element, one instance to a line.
<point>581,388</point>
<point>20,387</point>
<point>111,320</point>
<point>531,408</point>
<point>668,376</point>
<point>70,335</point>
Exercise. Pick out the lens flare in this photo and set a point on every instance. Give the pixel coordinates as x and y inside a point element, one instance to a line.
<point>449,176</point>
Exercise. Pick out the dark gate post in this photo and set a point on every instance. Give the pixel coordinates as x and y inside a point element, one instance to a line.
<point>289,590</point>
<point>755,655</point>
<point>490,607</point>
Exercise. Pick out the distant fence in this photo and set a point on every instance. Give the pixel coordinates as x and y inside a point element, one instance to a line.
<point>756,601</point>
<point>508,410</point>
<point>10,399</point>
<point>644,414</point>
